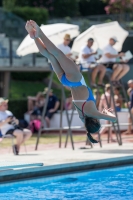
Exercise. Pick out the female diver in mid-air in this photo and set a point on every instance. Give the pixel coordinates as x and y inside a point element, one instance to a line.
<point>69,75</point>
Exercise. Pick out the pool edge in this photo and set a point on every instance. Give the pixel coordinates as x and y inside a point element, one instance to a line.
<point>53,170</point>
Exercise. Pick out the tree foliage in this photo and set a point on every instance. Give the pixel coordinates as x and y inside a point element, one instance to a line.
<point>40,15</point>
<point>18,107</point>
<point>91,7</point>
<point>56,8</point>
<point>118,6</point>
<point>61,8</point>
<point>29,76</point>
<point>25,11</point>
<point>8,4</point>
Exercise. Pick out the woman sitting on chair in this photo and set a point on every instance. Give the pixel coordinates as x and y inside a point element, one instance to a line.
<point>69,75</point>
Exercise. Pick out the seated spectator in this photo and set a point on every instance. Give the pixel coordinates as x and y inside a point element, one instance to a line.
<point>64,46</point>
<point>105,100</point>
<point>38,105</point>
<point>35,101</point>
<point>109,59</point>
<point>52,106</point>
<point>9,125</point>
<point>130,84</point>
<point>87,59</point>
<point>118,99</point>
<point>107,96</point>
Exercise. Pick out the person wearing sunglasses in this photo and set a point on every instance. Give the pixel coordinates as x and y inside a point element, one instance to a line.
<point>64,47</point>
<point>9,125</point>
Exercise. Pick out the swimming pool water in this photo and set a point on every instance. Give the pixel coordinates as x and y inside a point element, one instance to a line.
<point>109,184</point>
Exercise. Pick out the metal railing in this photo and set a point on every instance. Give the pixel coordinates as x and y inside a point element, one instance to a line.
<point>9,57</point>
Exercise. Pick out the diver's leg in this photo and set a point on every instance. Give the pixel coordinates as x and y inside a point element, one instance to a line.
<point>55,64</point>
<point>68,66</point>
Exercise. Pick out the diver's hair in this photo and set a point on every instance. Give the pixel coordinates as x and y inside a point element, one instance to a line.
<point>92,125</point>
<point>92,140</point>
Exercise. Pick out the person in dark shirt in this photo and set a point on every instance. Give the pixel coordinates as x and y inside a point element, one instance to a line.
<point>130,85</point>
<point>52,106</point>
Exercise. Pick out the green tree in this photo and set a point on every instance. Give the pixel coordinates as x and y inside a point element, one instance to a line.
<point>40,15</point>
<point>8,4</point>
<point>63,8</point>
<point>25,11</point>
<point>56,8</point>
<point>91,7</point>
<point>118,6</point>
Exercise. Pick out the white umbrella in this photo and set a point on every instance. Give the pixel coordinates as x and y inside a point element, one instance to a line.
<point>101,34</point>
<point>55,32</point>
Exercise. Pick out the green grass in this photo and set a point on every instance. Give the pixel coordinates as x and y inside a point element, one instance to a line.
<point>46,139</point>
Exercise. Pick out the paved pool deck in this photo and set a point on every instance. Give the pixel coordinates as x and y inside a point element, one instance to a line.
<point>55,156</point>
<point>54,161</point>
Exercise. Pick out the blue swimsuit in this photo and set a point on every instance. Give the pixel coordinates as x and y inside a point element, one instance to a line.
<point>70,84</point>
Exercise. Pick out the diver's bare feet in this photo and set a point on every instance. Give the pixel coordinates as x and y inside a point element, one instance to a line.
<point>36,27</point>
<point>30,30</point>
<point>109,112</point>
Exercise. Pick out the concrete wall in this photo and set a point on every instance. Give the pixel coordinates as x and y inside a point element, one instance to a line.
<point>76,122</point>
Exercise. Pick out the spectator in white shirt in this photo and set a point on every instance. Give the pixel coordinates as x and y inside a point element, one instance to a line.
<point>87,58</point>
<point>9,125</point>
<point>109,58</point>
<point>64,46</point>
